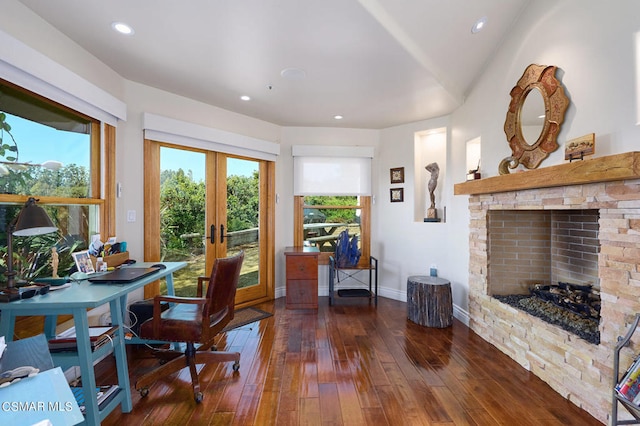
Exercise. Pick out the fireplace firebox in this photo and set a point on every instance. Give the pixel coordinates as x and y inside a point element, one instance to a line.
<point>545,262</point>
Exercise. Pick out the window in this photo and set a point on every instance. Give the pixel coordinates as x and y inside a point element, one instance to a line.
<point>324,217</point>
<point>45,150</point>
<point>332,188</point>
<point>52,153</point>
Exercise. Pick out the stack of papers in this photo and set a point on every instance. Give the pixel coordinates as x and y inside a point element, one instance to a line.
<point>104,395</point>
<point>66,341</point>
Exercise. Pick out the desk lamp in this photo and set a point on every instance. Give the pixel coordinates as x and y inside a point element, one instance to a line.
<point>32,220</point>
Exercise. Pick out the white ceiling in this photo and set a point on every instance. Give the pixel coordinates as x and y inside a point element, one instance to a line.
<point>379,63</point>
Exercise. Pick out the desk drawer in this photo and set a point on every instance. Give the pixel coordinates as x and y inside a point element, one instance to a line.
<point>302,294</point>
<point>302,267</point>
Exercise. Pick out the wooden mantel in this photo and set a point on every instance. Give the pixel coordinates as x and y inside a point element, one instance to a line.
<point>602,169</point>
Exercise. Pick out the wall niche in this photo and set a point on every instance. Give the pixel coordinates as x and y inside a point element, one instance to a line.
<point>430,146</point>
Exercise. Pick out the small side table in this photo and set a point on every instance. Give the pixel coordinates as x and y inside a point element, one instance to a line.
<point>429,301</point>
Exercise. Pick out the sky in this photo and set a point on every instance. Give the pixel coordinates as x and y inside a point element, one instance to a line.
<point>35,143</point>
<point>73,148</point>
<point>173,159</point>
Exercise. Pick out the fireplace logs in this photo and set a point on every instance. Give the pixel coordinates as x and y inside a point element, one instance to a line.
<point>581,299</point>
<point>574,308</point>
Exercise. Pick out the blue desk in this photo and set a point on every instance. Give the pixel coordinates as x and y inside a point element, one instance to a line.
<point>77,300</point>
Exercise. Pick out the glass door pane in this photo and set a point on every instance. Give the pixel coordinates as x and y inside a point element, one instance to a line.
<point>183,230</point>
<point>243,221</point>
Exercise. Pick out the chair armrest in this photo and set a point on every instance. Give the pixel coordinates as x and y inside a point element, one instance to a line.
<point>157,310</point>
<point>177,299</point>
<point>157,300</point>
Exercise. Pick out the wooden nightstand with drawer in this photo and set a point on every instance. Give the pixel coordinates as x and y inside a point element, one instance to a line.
<point>302,277</point>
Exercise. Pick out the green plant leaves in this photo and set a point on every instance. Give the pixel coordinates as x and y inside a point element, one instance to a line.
<point>4,147</point>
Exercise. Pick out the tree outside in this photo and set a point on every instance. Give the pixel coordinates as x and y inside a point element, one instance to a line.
<point>182,224</point>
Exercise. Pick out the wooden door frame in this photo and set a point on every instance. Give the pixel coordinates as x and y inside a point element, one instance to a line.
<point>151,151</point>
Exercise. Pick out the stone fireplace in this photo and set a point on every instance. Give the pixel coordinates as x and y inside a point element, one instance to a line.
<point>606,256</point>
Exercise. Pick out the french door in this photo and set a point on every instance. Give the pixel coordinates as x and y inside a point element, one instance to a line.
<point>201,205</point>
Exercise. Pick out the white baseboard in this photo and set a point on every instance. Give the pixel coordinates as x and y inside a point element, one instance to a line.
<point>461,315</point>
<point>395,294</point>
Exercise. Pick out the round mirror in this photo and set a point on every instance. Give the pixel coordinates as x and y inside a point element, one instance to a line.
<point>532,142</point>
<point>532,116</point>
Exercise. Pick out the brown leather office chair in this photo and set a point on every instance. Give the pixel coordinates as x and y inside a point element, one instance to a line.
<point>195,321</point>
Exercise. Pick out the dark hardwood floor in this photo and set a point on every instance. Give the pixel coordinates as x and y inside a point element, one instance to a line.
<point>348,365</point>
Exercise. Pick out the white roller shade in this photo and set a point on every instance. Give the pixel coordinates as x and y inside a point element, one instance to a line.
<point>332,175</point>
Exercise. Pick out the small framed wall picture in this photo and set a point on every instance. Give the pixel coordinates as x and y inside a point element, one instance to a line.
<point>397,195</point>
<point>83,262</point>
<point>397,175</point>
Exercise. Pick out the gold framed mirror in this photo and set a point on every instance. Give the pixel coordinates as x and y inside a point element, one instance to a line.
<point>536,112</point>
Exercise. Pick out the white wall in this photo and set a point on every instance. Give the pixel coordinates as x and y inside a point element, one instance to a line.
<point>405,245</point>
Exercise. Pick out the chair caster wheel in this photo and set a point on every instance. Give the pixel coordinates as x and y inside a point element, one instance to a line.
<point>144,392</point>
<point>236,366</point>
<point>198,397</point>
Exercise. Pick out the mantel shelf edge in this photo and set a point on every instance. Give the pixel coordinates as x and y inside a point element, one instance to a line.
<point>602,169</point>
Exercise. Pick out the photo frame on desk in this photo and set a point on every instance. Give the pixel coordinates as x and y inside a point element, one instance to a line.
<point>83,261</point>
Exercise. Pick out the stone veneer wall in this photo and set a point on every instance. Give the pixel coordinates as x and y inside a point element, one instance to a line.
<point>578,370</point>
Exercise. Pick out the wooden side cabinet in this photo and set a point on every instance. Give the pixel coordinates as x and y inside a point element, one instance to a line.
<point>302,277</point>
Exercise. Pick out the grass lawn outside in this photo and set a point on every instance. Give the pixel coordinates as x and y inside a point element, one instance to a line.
<point>185,280</point>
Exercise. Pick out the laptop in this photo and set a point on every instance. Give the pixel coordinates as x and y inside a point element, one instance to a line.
<point>123,275</point>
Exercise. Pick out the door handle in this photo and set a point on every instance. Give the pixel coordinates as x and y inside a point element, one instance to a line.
<point>222,233</point>
<point>212,234</point>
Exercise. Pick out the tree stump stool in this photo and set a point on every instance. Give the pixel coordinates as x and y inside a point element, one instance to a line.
<point>429,301</point>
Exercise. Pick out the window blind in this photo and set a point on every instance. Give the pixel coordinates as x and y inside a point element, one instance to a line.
<point>337,171</point>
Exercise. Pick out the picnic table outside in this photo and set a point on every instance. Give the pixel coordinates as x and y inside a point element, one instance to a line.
<point>322,234</point>
<point>320,229</point>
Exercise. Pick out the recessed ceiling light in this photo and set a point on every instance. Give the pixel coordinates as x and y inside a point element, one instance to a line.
<point>245,98</point>
<point>122,28</point>
<point>293,73</point>
<point>479,25</point>
<point>338,117</point>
